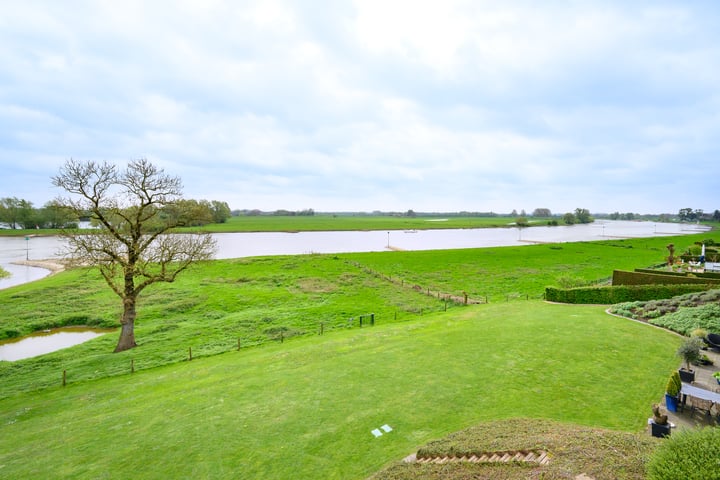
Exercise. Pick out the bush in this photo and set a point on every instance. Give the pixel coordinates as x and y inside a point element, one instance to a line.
<point>687,454</point>
<point>674,384</point>
<point>619,293</point>
<point>687,319</point>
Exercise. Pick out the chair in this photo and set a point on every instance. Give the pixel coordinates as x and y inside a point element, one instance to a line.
<point>713,340</point>
<point>701,406</point>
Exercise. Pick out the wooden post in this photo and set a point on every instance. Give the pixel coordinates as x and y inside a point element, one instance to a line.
<point>361,317</point>
<point>395,314</point>
<point>238,344</point>
<point>64,377</point>
<point>132,365</point>
<point>322,327</point>
<point>372,319</point>
<point>466,297</point>
<point>189,354</point>
<point>282,337</point>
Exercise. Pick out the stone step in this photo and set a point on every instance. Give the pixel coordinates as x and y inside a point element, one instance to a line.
<point>520,456</point>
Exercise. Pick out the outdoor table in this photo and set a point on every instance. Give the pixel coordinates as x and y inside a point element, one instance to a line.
<point>698,392</point>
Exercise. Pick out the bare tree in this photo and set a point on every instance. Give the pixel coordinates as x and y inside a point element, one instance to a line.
<point>133,246</point>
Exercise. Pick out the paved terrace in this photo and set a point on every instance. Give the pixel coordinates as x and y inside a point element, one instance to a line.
<point>688,417</point>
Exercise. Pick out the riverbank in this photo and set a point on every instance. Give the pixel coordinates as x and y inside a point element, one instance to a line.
<point>55,266</point>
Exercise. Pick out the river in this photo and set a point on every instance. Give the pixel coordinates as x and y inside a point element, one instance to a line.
<point>237,245</point>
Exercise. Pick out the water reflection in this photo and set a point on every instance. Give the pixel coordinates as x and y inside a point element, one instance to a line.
<point>47,341</point>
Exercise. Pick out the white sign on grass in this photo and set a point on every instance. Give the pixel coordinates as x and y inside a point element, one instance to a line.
<point>379,431</point>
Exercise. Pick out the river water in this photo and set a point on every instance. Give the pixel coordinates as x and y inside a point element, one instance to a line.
<point>237,245</point>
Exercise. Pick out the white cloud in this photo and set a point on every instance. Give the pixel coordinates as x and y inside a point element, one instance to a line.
<point>455,105</point>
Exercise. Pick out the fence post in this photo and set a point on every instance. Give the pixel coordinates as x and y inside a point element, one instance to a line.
<point>189,354</point>
<point>132,365</point>
<point>466,297</point>
<point>238,344</point>
<point>282,337</point>
<point>322,328</point>
<point>372,319</point>
<point>361,317</point>
<point>64,377</point>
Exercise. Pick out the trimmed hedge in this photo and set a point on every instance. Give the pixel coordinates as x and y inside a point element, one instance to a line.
<point>710,275</point>
<point>620,293</point>
<point>644,277</point>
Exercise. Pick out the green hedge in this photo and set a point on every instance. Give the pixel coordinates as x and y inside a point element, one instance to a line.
<point>710,275</point>
<point>688,455</point>
<point>644,277</point>
<point>620,293</point>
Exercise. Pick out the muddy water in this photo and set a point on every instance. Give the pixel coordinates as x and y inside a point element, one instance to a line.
<point>47,341</point>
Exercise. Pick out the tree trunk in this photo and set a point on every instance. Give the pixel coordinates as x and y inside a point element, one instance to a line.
<point>127,334</point>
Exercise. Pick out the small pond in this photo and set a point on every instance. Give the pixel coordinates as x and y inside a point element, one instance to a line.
<point>47,341</point>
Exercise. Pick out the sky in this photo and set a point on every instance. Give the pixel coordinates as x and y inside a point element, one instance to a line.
<point>390,105</point>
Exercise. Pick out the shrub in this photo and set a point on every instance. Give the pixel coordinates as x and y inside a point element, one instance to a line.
<point>699,333</point>
<point>687,454</point>
<point>687,319</point>
<point>674,384</point>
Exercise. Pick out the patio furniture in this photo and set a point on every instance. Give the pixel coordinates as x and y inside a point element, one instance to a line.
<point>713,340</point>
<point>700,405</point>
<point>696,393</point>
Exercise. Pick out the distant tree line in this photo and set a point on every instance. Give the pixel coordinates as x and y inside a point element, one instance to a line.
<point>20,213</point>
<point>690,215</point>
<point>308,212</point>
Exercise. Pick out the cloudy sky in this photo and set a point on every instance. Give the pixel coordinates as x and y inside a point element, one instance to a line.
<point>374,104</point>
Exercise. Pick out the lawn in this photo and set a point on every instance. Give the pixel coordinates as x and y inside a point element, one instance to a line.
<point>306,408</point>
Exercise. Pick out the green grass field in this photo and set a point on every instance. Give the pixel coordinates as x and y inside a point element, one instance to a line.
<point>305,408</point>
<point>330,222</point>
<point>327,222</point>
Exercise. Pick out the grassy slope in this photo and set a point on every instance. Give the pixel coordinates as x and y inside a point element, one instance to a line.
<point>304,409</point>
<point>211,307</point>
<point>208,310</point>
<point>321,396</point>
<point>598,453</point>
<point>497,273</point>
